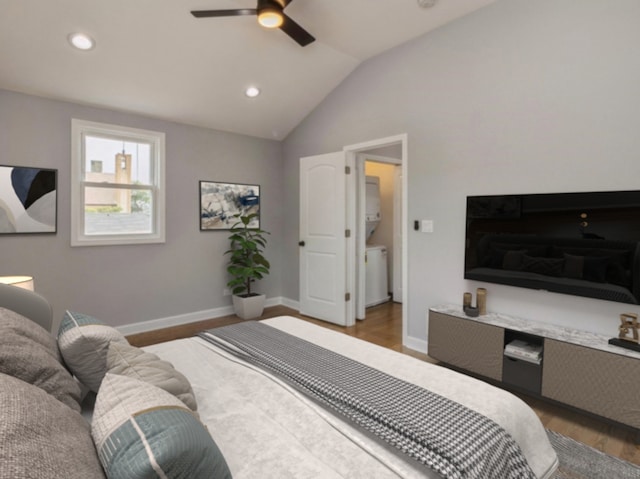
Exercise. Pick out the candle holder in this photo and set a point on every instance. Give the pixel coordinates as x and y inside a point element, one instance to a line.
<point>466,300</point>
<point>481,301</point>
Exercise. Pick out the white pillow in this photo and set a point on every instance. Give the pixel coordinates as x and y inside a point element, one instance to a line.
<point>142,431</point>
<point>133,362</point>
<point>83,341</point>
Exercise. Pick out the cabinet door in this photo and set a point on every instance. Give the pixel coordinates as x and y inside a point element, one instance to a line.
<point>466,344</point>
<point>603,383</point>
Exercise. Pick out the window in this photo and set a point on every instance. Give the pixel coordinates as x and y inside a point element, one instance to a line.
<point>117,181</point>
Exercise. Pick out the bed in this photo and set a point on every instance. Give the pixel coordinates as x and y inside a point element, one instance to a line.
<point>318,442</point>
<point>262,426</point>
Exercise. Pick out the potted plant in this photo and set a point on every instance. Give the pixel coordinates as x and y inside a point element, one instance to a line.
<point>246,264</point>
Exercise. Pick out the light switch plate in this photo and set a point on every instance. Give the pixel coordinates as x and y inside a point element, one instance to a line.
<point>426,226</point>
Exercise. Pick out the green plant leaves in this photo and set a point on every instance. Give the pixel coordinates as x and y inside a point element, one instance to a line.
<point>246,261</point>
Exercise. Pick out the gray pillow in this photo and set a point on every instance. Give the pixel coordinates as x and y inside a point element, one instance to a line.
<point>41,438</point>
<point>28,352</point>
<point>133,362</point>
<point>83,341</point>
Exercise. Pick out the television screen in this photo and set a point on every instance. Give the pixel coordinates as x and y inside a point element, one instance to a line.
<point>585,244</point>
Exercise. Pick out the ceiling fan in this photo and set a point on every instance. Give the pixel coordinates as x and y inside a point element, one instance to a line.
<point>270,15</point>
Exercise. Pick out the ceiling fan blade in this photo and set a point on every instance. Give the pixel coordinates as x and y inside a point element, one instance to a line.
<point>296,32</point>
<point>223,13</point>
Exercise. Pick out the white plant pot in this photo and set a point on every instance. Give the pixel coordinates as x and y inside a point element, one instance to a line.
<point>250,307</point>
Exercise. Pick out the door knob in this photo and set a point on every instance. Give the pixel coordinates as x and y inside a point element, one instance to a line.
<point>301,243</point>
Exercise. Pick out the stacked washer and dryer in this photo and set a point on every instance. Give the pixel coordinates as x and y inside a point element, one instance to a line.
<point>376,284</point>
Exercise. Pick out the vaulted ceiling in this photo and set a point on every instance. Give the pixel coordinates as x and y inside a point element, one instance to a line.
<point>154,58</point>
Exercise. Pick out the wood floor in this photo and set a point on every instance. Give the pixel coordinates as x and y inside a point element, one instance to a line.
<point>383,326</point>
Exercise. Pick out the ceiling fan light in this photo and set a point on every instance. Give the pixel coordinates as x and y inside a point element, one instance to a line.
<point>270,18</point>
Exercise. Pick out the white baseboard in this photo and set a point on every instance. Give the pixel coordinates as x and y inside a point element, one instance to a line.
<point>289,303</point>
<point>416,344</point>
<point>160,323</point>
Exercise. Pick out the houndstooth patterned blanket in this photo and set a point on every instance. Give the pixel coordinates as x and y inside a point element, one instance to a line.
<point>443,435</point>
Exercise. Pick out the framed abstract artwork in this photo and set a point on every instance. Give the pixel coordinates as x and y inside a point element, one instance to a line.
<point>28,200</point>
<point>219,202</point>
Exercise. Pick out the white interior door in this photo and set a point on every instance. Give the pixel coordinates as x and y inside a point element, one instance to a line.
<point>323,242</point>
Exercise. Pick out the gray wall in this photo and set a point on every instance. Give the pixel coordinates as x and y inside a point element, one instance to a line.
<point>128,284</point>
<point>519,97</point>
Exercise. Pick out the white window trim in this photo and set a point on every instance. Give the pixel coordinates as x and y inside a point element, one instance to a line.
<point>80,128</point>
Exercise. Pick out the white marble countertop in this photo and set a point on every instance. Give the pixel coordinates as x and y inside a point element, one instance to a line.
<point>545,330</point>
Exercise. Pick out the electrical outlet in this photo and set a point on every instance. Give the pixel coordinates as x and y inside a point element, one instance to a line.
<point>226,292</point>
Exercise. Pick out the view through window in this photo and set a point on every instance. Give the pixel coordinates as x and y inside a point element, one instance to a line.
<point>119,185</point>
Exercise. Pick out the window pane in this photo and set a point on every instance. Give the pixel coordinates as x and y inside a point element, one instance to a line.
<point>116,211</point>
<point>117,161</point>
<point>117,194</point>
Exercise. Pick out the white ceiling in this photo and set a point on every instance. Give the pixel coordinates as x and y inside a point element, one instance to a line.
<point>152,57</point>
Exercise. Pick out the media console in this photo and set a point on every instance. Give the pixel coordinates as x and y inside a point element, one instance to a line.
<point>578,368</point>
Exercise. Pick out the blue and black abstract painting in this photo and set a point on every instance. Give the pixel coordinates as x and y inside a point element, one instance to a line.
<point>27,200</point>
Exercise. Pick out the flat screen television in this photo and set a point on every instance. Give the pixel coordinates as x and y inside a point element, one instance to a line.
<point>584,244</point>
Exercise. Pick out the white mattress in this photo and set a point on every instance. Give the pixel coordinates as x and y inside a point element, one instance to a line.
<point>266,429</point>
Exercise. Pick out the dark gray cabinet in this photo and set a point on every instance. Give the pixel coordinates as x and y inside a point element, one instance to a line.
<point>598,381</point>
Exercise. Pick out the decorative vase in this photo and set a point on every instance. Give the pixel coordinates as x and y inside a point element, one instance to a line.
<point>481,301</point>
<point>249,307</point>
<point>466,300</point>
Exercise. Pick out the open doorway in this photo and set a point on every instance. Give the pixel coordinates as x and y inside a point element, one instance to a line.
<point>380,201</point>
<point>384,162</point>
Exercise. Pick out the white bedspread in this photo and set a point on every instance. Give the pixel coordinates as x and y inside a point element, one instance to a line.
<point>266,429</point>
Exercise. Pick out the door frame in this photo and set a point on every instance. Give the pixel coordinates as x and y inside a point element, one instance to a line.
<point>351,152</point>
<point>398,246</point>
<point>361,160</point>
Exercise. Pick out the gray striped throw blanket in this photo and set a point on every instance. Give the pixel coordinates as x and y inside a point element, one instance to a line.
<point>443,435</point>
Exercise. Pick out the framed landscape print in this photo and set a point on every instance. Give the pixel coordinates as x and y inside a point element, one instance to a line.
<point>219,202</point>
<point>28,200</point>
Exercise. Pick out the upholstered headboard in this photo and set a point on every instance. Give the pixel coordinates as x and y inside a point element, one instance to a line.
<point>27,303</point>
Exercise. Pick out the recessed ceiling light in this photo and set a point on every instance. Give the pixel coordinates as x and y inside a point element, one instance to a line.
<point>81,41</point>
<point>252,92</point>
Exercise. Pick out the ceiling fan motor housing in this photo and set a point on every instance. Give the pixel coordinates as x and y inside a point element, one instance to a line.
<point>272,4</point>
